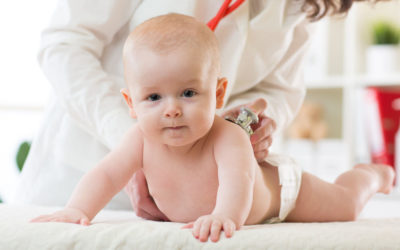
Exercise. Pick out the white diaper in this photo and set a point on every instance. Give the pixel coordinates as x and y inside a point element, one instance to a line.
<point>290,180</point>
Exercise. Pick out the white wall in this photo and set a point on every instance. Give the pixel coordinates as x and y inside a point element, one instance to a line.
<point>23,88</point>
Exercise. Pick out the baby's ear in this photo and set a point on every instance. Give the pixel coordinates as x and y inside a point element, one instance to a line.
<point>221,89</point>
<point>128,99</point>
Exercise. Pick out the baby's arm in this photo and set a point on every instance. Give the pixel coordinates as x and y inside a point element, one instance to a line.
<point>236,172</point>
<point>99,185</point>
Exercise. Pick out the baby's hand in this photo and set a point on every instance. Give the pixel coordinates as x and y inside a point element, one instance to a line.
<point>211,225</point>
<point>70,215</point>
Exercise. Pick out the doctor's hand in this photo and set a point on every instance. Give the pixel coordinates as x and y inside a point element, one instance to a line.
<point>141,201</point>
<point>263,130</point>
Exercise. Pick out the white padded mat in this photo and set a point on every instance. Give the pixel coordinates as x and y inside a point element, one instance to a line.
<point>123,230</point>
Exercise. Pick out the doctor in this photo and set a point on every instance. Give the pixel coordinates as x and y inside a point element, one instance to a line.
<point>262,42</point>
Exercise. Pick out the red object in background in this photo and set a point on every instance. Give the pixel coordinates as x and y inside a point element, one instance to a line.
<point>383,113</point>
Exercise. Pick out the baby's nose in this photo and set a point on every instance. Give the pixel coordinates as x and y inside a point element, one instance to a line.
<point>173,111</point>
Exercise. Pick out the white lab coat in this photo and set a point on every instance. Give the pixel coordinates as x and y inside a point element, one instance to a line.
<point>262,43</point>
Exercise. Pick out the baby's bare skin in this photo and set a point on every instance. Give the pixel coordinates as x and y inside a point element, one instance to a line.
<point>201,169</point>
<point>184,185</point>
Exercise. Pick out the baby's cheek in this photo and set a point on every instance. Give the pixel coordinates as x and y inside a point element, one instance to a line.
<point>146,124</point>
<point>204,118</point>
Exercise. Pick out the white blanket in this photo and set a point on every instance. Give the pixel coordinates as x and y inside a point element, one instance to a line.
<point>123,230</point>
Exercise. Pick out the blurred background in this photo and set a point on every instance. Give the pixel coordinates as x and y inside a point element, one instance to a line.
<point>352,108</point>
<point>352,68</point>
<point>23,88</point>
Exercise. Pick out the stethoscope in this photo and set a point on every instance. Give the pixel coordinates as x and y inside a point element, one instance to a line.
<point>225,10</point>
<point>246,117</point>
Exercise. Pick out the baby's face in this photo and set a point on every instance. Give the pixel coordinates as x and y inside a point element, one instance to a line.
<point>173,95</point>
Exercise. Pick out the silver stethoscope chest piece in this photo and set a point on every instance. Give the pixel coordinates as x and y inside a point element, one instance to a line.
<point>245,118</point>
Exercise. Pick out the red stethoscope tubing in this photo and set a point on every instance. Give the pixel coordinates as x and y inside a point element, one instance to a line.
<point>225,9</point>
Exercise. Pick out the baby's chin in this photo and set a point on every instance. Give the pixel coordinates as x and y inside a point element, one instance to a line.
<point>184,141</point>
<point>180,142</point>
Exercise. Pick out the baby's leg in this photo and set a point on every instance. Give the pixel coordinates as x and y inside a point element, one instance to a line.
<point>343,200</point>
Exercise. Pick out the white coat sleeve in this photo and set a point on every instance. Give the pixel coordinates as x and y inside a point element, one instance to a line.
<point>69,55</point>
<point>283,88</point>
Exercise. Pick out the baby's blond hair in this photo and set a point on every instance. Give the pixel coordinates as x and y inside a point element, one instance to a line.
<point>169,32</point>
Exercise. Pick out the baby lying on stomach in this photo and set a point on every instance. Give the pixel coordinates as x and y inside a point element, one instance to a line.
<point>200,168</point>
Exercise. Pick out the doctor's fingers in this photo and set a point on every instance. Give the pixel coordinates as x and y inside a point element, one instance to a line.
<point>143,214</point>
<point>262,145</point>
<point>145,207</point>
<point>137,189</point>
<point>148,210</point>
<point>261,153</point>
<point>141,201</point>
<point>137,185</point>
<point>264,129</point>
<point>258,106</point>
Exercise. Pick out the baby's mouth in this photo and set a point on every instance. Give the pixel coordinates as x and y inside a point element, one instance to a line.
<point>175,127</point>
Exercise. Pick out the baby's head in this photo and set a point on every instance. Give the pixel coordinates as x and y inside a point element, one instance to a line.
<point>171,67</point>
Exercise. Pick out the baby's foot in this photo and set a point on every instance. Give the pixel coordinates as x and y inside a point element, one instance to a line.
<point>385,174</point>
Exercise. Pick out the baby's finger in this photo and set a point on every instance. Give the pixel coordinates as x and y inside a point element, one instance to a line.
<point>188,225</point>
<point>229,227</point>
<point>205,230</point>
<point>41,218</point>
<point>37,219</point>
<point>84,222</point>
<point>196,228</point>
<point>215,230</point>
<point>56,219</point>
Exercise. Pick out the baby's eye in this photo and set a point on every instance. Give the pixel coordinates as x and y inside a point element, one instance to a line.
<point>188,93</point>
<point>154,97</point>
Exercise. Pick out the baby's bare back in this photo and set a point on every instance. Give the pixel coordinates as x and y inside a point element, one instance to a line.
<point>185,186</point>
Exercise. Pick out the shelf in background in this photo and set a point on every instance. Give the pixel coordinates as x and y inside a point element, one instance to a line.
<point>327,82</point>
<point>363,80</point>
<point>371,80</point>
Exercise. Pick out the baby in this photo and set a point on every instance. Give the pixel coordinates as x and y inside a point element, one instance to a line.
<point>200,168</point>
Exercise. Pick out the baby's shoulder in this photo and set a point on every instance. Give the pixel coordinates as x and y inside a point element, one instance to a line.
<point>230,141</point>
<point>134,135</point>
<point>134,131</point>
<point>224,131</point>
